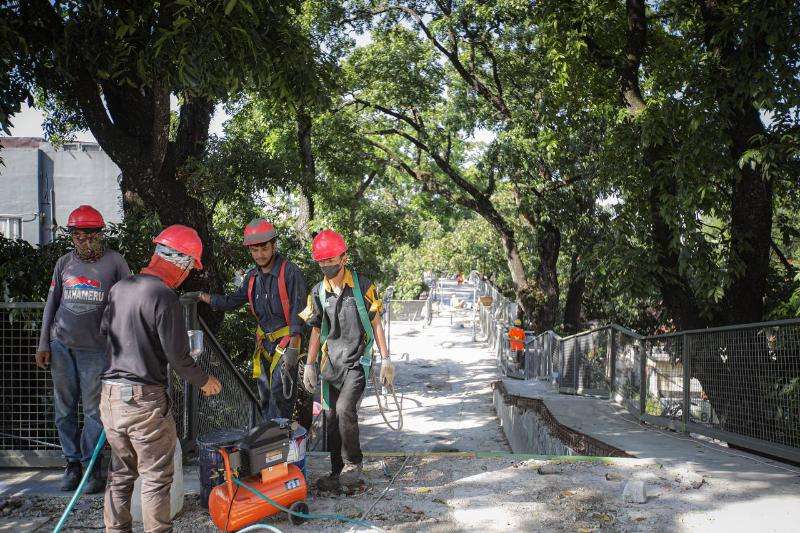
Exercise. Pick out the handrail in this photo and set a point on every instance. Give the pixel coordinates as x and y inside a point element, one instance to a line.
<point>22,305</point>
<point>229,363</point>
<point>751,325</point>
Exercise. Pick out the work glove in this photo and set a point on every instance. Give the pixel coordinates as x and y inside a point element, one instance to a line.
<point>310,377</point>
<point>290,356</point>
<point>387,373</point>
<point>193,295</point>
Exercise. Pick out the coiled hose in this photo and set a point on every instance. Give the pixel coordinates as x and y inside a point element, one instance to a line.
<point>398,404</point>
<point>306,516</point>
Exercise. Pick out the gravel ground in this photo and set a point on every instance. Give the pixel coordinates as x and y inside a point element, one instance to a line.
<point>451,492</point>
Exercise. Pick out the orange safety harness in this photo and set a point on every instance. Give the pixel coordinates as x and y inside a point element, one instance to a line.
<point>282,333</point>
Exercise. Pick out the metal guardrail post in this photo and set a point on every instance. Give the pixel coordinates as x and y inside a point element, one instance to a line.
<point>612,360</point>
<point>687,384</point>
<point>190,392</point>
<point>641,351</point>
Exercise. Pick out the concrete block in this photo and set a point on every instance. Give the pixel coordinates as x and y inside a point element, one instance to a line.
<point>634,492</point>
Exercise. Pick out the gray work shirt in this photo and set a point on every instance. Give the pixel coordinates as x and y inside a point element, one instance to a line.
<point>346,338</point>
<point>146,331</point>
<point>77,298</point>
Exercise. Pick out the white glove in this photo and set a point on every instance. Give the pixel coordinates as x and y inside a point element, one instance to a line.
<point>310,377</point>
<point>387,372</point>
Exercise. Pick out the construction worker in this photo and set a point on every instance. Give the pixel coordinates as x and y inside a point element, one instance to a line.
<point>276,292</point>
<point>146,332</point>
<point>71,343</point>
<point>345,316</point>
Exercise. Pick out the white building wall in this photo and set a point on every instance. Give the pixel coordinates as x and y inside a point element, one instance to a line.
<point>43,185</point>
<point>19,189</point>
<point>84,174</point>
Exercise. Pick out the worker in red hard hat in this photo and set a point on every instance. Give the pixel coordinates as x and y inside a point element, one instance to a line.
<point>71,344</point>
<point>345,314</point>
<point>146,331</point>
<point>276,292</point>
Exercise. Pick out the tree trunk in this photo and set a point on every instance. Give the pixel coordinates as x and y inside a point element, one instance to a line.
<point>676,294</point>
<point>307,173</point>
<point>549,246</point>
<point>526,299</point>
<point>574,303</point>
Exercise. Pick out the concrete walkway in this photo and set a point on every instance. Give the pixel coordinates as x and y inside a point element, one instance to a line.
<point>445,384</point>
<point>741,491</point>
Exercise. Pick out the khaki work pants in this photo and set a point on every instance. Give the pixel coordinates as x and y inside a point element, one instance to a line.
<point>141,432</point>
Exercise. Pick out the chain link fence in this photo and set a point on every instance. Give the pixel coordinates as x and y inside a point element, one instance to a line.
<point>26,391</point>
<point>237,405</point>
<point>739,384</point>
<point>27,428</point>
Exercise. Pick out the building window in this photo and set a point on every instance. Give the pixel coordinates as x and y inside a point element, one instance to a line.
<point>11,227</point>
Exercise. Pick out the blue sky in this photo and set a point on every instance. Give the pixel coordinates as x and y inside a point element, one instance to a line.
<point>28,123</point>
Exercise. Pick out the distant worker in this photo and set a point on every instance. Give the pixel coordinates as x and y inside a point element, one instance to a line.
<point>276,292</point>
<point>71,342</point>
<point>516,343</point>
<point>146,332</point>
<point>345,314</point>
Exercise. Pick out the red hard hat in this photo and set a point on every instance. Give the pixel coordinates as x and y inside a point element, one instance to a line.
<point>85,216</point>
<point>183,239</point>
<point>258,231</point>
<point>327,245</point>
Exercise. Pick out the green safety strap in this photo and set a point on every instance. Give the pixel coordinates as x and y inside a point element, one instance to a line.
<point>366,357</point>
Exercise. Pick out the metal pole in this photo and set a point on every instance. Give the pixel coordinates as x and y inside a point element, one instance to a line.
<point>612,356</point>
<point>641,350</point>
<point>190,392</point>
<point>687,384</point>
<point>474,309</point>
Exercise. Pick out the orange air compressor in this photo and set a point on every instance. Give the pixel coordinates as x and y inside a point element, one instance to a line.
<point>260,462</point>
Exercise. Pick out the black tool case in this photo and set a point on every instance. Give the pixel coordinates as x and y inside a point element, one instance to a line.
<point>265,445</point>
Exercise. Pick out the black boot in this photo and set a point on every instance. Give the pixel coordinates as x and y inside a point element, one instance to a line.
<point>97,481</point>
<point>329,483</point>
<point>72,476</point>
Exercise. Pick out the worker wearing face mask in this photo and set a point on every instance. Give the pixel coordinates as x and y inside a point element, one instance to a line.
<point>71,343</point>
<point>345,314</point>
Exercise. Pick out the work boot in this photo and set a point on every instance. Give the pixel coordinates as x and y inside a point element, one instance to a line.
<point>329,483</point>
<point>72,476</point>
<point>352,475</point>
<point>97,481</point>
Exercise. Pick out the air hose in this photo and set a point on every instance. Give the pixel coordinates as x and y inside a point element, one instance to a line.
<point>101,441</point>
<point>398,404</point>
<point>306,516</point>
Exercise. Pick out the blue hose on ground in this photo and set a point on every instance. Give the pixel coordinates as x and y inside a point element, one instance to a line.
<point>101,441</point>
<point>307,516</point>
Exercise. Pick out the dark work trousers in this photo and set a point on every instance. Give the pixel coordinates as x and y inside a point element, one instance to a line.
<point>342,420</point>
<point>273,402</point>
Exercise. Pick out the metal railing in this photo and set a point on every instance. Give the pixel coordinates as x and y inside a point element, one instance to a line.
<point>237,405</point>
<point>409,310</point>
<point>26,391</point>
<point>496,314</point>
<point>739,384</point>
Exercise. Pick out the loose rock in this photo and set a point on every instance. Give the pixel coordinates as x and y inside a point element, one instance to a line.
<point>549,469</point>
<point>689,479</point>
